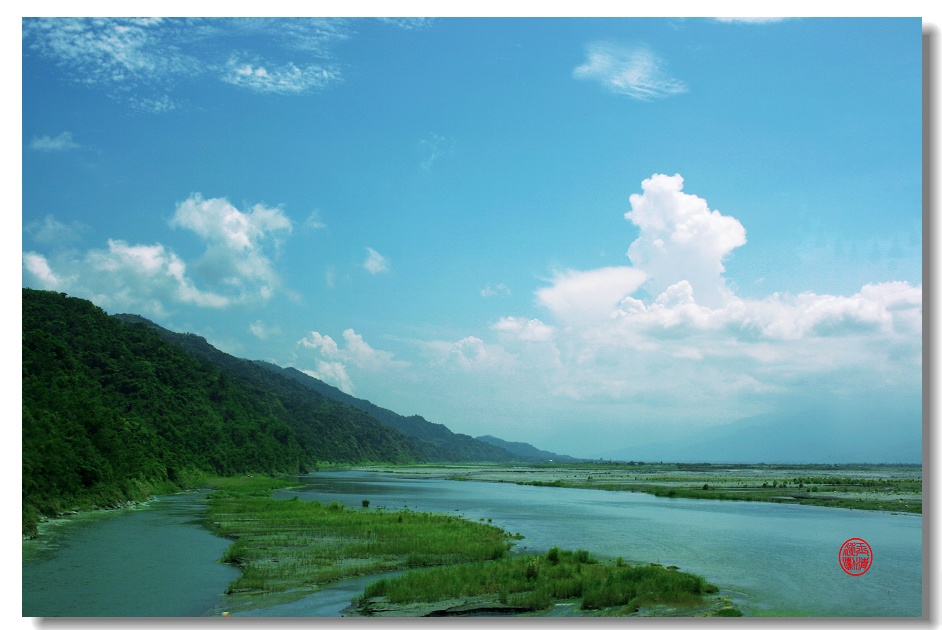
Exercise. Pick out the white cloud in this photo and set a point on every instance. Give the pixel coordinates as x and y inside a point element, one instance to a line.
<point>751,20</point>
<point>433,147</point>
<point>62,142</point>
<point>38,271</point>
<point>151,278</point>
<point>501,290</point>
<point>286,78</point>
<point>634,72</point>
<point>235,255</point>
<point>409,24</point>
<point>52,231</point>
<point>579,297</point>
<point>262,330</point>
<point>314,221</point>
<point>525,329</point>
<point>144,61</point>
<point>667,333</point>
<point>334,361</point>
<point>681,239</point>
<point>332,373</point>
<point>375,262</point>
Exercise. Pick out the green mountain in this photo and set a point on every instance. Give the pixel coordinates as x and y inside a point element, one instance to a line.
<point>112,411</point>
<point>432,442</point>
<point>116,408</point>
<point>436,442</point>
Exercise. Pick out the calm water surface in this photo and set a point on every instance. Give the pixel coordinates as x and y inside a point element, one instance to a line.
<point>154,561</point>
<point>773,559</point>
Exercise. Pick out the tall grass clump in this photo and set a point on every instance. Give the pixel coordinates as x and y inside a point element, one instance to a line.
<point>533,582</point>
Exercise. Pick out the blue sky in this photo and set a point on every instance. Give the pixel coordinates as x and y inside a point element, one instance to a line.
<point>580,233</point>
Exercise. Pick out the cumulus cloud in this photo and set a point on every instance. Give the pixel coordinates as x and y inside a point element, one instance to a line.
<point>236,243</point>
<point>585,296</point>
<point>525,329</point>
<point>62,142</point>
<point>634,72</point>
<point>36,268</point>
<point>139,278</point>
<point>333,360</point>
<point>666,332</point>
<point>150,278</point>
<point>681,239</point>
<point>333,373</point>
<point>375,262</point>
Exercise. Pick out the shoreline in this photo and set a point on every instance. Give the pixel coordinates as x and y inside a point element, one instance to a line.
<point>878,488</point>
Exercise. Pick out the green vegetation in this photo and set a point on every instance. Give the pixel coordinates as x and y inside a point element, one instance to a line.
<point>295,546</point>
<point>113,413</point>
<point>885,487</point>
<point>288,548</point>
<point>534,582</point>
<point>774,493</point>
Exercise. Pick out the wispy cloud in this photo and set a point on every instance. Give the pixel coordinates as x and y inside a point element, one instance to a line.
<point>52,231</point>
<point>375,262</point>
<point>314,221</point>
<point>62,142</point>
<point>144,62</point>
<point>501,290</point>
<point>634,72</point>
<point>434,147</point>
<point>409,24</point>
<point>751,20</point>
<point>262,330</point>
<point>285,79</point>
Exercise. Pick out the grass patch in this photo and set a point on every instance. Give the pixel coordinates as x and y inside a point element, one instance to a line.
<point>534,582</point>
<point>284,545</point>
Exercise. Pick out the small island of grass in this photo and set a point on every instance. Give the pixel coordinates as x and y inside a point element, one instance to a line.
<point>288,549</point>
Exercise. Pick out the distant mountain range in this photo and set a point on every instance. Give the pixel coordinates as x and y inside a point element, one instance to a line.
<point>527,452</point>
<point>433,442</point>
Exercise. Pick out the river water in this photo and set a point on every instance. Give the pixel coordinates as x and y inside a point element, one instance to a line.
<point>152,561</point>
<point>772,559</point>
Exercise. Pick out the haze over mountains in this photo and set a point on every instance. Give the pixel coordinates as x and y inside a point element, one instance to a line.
<point>805,436</point>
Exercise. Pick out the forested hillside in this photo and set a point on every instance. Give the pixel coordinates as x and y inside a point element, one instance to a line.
<point>437,442</point>
<point>433,442</point>
<point>112,411</point>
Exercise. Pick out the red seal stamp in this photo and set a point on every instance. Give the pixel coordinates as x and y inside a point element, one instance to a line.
<point>855,556</point>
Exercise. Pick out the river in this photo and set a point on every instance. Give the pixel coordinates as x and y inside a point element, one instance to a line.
<point>771,559</point>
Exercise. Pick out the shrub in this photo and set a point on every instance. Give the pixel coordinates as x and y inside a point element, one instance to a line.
<point>532,569</point>
<point>366,503</point>
<point>552,556</point>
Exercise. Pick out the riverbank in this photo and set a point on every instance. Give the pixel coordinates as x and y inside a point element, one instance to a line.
<point>890,488</point>
<point>288,549</point>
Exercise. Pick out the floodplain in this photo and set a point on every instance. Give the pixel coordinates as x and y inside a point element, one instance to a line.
<point>884,487</point>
